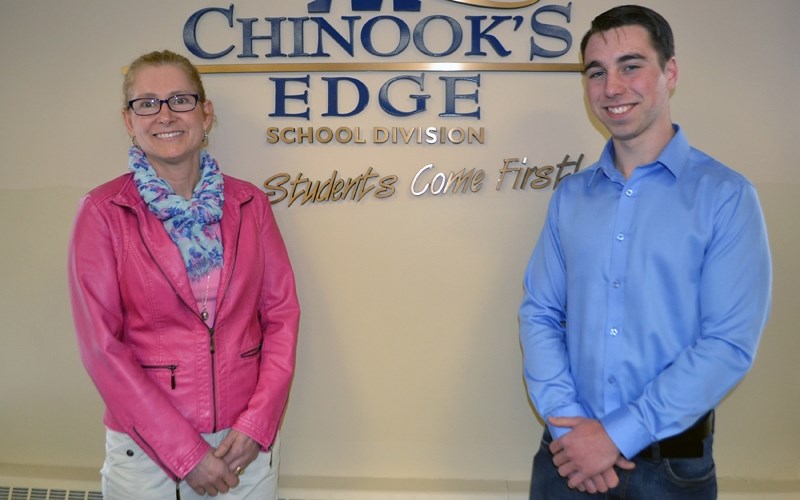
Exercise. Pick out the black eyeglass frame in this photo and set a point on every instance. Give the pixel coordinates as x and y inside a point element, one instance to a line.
<point>166,101</point>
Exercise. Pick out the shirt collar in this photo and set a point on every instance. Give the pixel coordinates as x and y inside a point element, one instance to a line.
<point>673,157</point>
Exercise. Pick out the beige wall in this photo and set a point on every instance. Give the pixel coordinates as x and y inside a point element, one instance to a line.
<point>409,363</point>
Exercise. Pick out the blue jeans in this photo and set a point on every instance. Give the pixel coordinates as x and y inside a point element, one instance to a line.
<point>666,479</point>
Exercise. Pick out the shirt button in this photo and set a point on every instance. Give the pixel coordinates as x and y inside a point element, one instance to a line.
<point>629,192</point>
<point>620,237</point>
<point>612,380</point>
<point>615,284</point>
<point>613,332</point>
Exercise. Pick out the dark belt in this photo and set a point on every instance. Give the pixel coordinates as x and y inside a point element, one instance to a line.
<point>687,444</point>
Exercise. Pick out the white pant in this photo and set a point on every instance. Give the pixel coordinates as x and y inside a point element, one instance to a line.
<point>129,474</point>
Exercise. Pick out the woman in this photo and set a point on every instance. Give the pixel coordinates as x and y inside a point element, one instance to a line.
<point>184,304</point>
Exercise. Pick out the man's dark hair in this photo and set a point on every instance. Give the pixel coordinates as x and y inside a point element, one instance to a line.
<point>636,15</point>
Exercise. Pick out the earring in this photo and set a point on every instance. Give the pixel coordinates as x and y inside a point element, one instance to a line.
<point>134,143</point>
<point>205,138</point>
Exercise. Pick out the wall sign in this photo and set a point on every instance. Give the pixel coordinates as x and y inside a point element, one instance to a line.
<point>320,50</point>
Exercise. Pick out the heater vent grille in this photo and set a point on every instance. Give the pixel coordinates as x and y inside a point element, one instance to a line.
<point>18,493</point>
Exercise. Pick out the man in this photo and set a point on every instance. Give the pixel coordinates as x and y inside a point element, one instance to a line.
<point>647,291</point>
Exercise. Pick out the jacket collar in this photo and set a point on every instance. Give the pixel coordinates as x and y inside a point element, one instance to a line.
<point>166,254</point>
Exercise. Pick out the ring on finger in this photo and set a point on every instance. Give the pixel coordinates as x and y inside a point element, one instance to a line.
<point>239,471</point>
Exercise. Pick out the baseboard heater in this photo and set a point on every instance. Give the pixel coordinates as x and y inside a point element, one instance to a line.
<point>22,493</point>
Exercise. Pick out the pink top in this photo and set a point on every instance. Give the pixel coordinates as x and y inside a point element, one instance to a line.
<point>205,289</point>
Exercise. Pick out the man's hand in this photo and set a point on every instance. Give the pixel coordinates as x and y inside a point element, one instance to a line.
<point>237,450</point>
<point>211,476</point>
<point>586,455</point>
<point>607,479</point>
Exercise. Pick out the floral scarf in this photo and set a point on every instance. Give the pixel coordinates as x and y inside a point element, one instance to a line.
<point>188,222</point>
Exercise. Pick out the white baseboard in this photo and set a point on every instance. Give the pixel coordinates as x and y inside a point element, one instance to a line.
<point>86,482</point>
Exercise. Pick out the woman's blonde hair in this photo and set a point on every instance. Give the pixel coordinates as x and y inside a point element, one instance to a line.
<point>158,58</point>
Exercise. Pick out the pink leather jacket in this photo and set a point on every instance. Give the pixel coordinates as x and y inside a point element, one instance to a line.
<point>164,375</point>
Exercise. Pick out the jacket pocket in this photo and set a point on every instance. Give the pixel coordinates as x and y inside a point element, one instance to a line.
<point>247,373</point>
<point>252,353</point>
<point>166,369</point>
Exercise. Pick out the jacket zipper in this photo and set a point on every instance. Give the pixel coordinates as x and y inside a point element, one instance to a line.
<point>213,349</point>
<point>211,330</point>
<point>171,369</point>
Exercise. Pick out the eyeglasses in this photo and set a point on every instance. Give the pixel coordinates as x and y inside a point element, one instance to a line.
<point>179,103</point>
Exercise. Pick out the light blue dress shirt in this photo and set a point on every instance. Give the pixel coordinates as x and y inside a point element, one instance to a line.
<point>644,299</point>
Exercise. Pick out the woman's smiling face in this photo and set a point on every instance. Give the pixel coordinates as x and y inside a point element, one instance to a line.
<point>170,139</point>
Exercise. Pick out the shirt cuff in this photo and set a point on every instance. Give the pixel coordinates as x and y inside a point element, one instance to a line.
<point>572,410</point>
<point>626,432</point>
